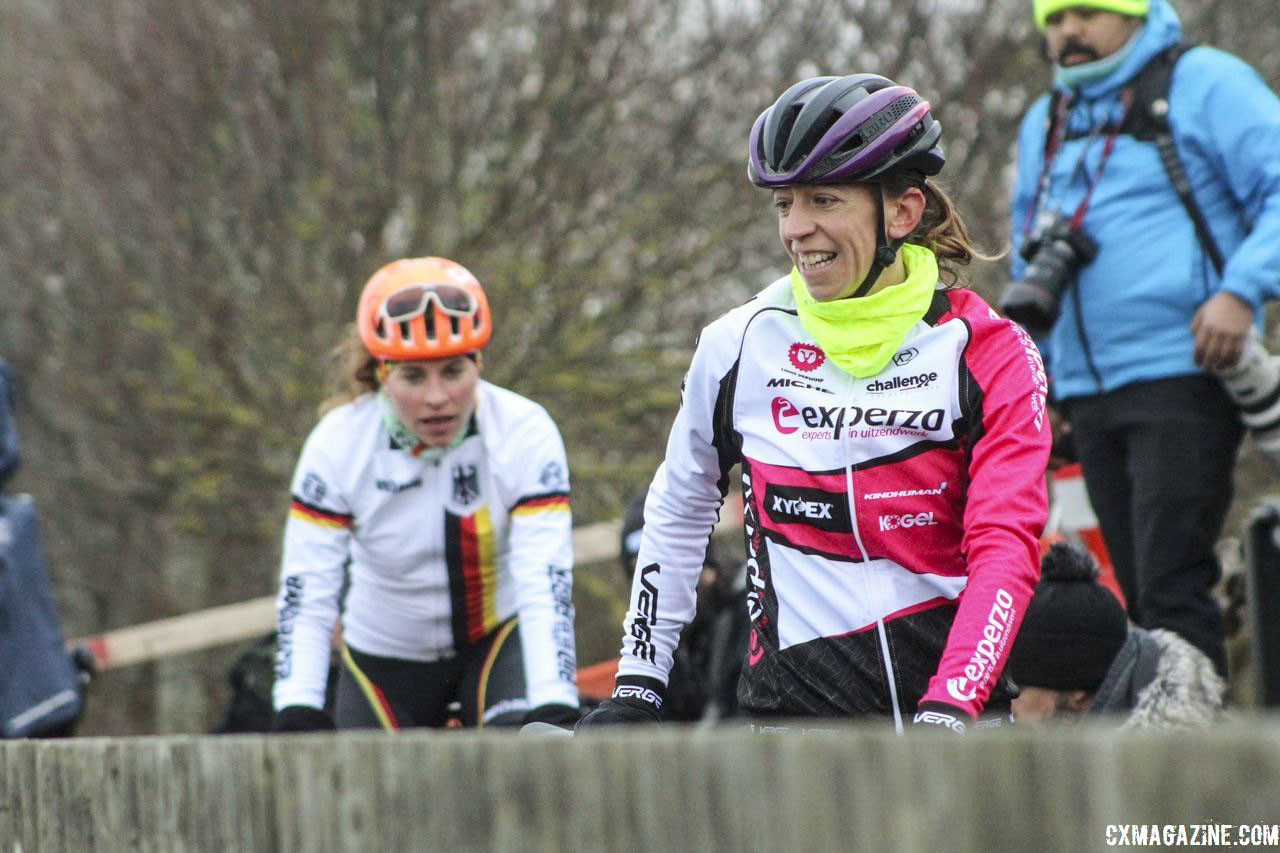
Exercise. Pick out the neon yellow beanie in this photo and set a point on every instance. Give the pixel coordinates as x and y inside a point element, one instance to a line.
<point>1045,8</point>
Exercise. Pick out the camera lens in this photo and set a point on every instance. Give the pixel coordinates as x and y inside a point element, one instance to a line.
<point>1030,305</point>
<point>1254,386</point>
<point>1053,255</point>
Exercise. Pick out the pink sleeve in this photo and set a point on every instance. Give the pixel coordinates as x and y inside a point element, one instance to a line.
<point>1005,512</point>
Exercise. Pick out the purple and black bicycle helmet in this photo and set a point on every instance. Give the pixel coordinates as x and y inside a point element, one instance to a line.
<point>835,130</point>
<point>828,130</point>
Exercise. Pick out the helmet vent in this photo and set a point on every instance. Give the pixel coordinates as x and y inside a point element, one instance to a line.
<point>893,112</point>
<point>874,127</point>
<point>430,318</point>
<point>784,133</point>
<point>853,143</point>
<point>404,330</point>
<point>884,119</point>
<point>911,139</point>
<point>455,328</point>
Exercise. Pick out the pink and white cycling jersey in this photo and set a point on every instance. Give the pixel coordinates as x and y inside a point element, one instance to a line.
<point>891,522</point>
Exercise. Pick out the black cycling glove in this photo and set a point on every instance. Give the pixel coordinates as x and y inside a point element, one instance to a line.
<point>553,713</point>
<point>612,711</point>
<point>939,715</point>
<point>302,718</point>
<point>635,700</point>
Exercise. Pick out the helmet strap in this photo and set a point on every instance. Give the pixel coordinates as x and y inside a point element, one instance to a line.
<point>886,250</point>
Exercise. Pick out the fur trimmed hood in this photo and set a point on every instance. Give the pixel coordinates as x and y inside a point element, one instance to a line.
<point>1160,681</point>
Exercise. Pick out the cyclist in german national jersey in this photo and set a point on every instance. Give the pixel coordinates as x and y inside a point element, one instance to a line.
<point>891,431</point>
<point>441,502</point>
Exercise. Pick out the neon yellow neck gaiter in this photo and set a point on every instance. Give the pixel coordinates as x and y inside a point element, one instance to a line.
<point>861,335</point>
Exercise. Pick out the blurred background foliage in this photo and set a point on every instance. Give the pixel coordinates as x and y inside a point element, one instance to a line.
<point>195,193</point>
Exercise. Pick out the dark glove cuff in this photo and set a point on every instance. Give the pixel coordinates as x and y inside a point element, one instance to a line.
<point>636,699</point>
<point>640,691</point>
<point>553,713</point>
<point>302,718</point>
<point>941,715</point>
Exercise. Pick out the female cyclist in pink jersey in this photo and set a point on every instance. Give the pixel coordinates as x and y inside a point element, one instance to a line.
<point>891,432</point>
<point>431,510</point>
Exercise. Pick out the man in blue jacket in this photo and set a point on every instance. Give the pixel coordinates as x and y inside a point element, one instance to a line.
<point>1133,314</point>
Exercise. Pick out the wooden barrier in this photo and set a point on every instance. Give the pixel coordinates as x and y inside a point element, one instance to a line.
<point>636,789</point>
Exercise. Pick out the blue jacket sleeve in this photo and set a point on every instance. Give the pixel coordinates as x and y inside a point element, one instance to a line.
<point>1223,111</point>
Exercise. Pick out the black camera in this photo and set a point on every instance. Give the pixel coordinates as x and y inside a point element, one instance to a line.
<point>1053,254</point>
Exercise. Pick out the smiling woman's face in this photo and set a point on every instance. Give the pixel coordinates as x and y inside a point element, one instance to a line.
<point>829,231</point>
<point>434,398</point>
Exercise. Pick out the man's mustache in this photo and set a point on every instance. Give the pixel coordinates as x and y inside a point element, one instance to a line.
<point>1073,46</point>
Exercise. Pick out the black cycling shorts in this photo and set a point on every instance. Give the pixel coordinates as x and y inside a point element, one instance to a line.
<point>485,680</point>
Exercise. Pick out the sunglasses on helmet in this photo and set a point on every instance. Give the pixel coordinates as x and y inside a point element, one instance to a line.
<point>412,301</point>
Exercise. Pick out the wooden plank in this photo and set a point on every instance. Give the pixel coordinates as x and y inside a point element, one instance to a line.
<point>639,788</point>
<point>234,809</point>
<point>19,809</point>
<point>187,633</point>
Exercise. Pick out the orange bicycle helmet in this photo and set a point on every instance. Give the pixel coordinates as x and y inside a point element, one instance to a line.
<point>418,308</point>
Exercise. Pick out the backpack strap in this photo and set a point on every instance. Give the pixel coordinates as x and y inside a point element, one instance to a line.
<point>1148,121</point>
<point>1149,115</point>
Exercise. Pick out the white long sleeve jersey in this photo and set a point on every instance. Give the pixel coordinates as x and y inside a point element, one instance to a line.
<point>441,550</point>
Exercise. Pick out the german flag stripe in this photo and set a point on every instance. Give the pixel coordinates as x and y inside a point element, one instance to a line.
<point>372,693</point>
<point>306,512</point>
<point>473,575</point>
<point>550,502</point>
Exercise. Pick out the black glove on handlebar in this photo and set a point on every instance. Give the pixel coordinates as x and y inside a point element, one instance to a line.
<point>613,711</point>
<point>302,718</point>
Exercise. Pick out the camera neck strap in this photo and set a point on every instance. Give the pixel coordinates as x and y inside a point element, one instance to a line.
<point>1060,108</point>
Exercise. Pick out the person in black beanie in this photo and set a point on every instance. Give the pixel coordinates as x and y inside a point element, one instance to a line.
<point>1077,655</point>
